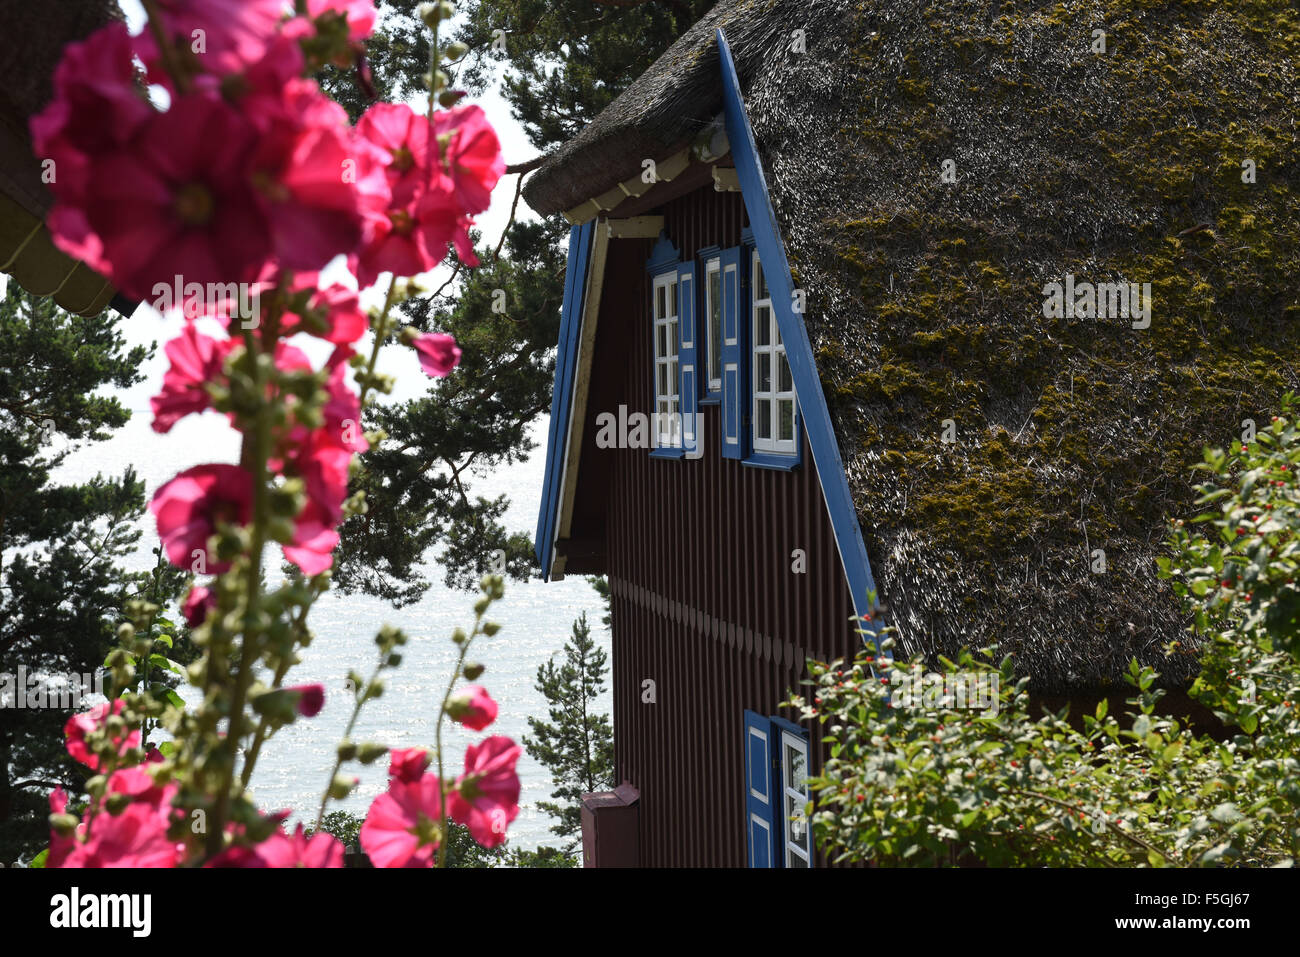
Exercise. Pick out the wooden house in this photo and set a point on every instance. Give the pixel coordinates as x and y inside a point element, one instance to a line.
<point>941,307</point>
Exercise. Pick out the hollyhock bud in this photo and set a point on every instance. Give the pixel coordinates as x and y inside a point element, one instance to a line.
<point>408,764</point>
<point>473,707</point>
<point>197,604</point>
<point>368,752</point>
<point>311,698</point>
<point>438,353</point>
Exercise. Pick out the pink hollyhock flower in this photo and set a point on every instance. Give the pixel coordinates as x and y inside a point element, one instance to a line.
<point>408,764</point>
<point>137,837</point>
<point>232,33</point>
<point>178,201</point>
<point>438,352</point>
<point>486,798</point>
<point>196,360</point>
<point>400,829</point>
<point>311,698</point>
<point>402,136</point>
<point>333,313</point>
<point>442,206</point>
<point>306,169</point>
<point>409,234</point>
<point>473,707</point>
<point>285,850</point>
<point>190,506</point>
<point>360,14</point>
<point>80,725</point>
<point>314,539</point>
<point>322,457</point>
<point>140,785</point>
<point>471,156</point>
<point>97,106</point>
<point>197,604</point>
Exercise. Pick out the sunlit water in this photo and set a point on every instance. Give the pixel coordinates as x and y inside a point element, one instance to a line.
<point>536,617</point>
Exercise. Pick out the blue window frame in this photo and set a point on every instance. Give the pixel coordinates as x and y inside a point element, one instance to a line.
<point>760,411</point>
<point>776,792</point>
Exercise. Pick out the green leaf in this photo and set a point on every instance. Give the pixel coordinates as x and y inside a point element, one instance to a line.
<point>1226,813</point>
<point>158,661</point>
<point>39,859</point>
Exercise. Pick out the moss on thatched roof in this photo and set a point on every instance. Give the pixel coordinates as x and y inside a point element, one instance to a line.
<point>925,297</point>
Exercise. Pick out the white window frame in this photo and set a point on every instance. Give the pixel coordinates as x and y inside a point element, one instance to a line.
<point>713,266</point>
<point>775,350</point>
<point>667,430</point>
<point>792,850</point>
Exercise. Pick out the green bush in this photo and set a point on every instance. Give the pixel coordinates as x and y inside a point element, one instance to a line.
<point>921,781</point>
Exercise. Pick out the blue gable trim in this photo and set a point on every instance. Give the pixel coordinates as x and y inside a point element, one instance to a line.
<point>812,403</point>
<point>566,362</point>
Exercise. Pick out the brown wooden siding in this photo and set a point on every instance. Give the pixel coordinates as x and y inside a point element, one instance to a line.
<point>699,556</point>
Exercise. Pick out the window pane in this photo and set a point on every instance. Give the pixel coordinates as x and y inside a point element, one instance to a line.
<point>763,378</point>
<point>670,386</point>
<point>672,300</point>
<point>787,421</point>
<point>762,326</point>
<point>659,302</point>
<point>763,424</point>
<point>661,341</point>
<point>783,382</point>
<point>796,827</point>
<point>672,338</point>
<point>715,325</point>
<point>760,282</point>
<point>795,772</point>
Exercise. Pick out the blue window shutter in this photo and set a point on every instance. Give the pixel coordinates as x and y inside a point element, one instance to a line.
<point>735,364</point>
<point>761,801</point>
<point>689,359</point>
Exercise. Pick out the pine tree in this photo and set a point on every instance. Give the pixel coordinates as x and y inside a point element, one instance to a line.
<point>563,61</point>
<point>61,587</point>
<point>576,744</point>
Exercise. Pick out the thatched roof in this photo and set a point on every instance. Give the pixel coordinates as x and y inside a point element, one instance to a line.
<point>35,35</point>
<point>925,298</point>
